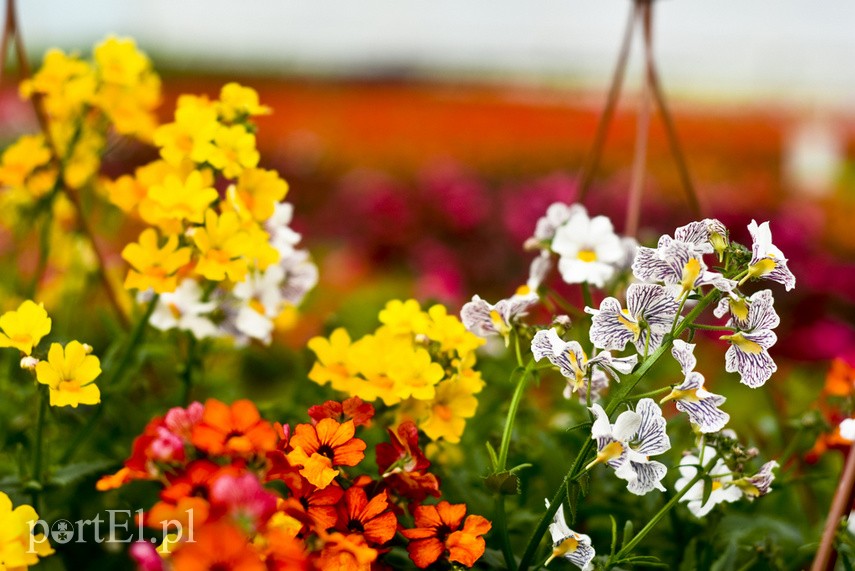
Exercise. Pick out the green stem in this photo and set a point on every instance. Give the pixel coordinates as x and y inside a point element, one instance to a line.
<point>627,549</point>
<point>679,310</point>
<point>516,399</point>
<point>586,295</point>
<point>712,327</point>
<point>39,447</point>
<point>187,371</point>
<point>648,394</point>
<point>564,305</point>
<point>626,389</point>
<point>517,348</point>
<point>502,528</point>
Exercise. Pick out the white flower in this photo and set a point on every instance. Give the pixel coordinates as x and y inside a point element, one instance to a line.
<point>588,248</point>
<point>691,397</point>
<point>748,352</point>
<point>767,261</point>
<point>650,312</point>
<point>707,236</point>
<point>628,444</point>
<point>299,276</point>
<point>574,547</point>
<point>723,486</point>
<point>557,214</point>
<point>538,270</point>
<point>282,237</point>
<point>484,319</point>
<point>760,483</point>
<point>184,309</point>
<point>675,262</point>
<point>259,301</point>
<point>847,428</point>
<point>574,364</point>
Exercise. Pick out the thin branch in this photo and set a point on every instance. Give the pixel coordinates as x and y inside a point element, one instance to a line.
<point>667,119</point>
<point>636,186</point>
<point>593,159</point>
<point>826,556</point>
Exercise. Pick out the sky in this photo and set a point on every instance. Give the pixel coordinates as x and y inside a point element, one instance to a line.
<point>790,50</point>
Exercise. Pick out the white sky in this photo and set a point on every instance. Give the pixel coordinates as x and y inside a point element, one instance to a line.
<point>797,50</point>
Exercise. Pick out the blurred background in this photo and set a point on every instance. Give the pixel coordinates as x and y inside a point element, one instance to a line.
<point>423,140</point>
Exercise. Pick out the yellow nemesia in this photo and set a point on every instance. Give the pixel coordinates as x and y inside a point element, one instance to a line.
<point>16,537</point>
<point>22,158</point>
<point>24,327</point>
<point>256,193</point>
<point>69,373</point>
<point>190,135</point>
<point>175,199</point>
<point>455,402</point>
<point>119,61</point>
<point>404,317</point>
<point>237,102</point>
<point>223,246</point>
<point>154,266</point>
<point>234,150</point>
<point>67,82</point>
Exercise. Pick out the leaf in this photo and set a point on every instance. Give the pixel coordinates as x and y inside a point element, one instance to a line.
<point>72,473</point>
<point>707,489</point>
<point>628,532</point>
<point>587,424</point>
<point>516,469</point>
<point>494,460</point>
<point>614,534</point>
<point>573,490</point>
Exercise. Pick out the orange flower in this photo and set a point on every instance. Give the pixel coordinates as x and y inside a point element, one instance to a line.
<point>840,381</point>
<point>238,429</point>
<point>345,553</point>
<point>217,546</point>
<point>311,504</point>
<point>370,518</point>
<point>438,533</point>
<point>316,449</point>
<point>354,408</point>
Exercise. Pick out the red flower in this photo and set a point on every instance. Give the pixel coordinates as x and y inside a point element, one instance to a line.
<point>370,518</point>
<point>238,429</point>
<point>401,463</point>
<point>438,533</point>
<point>354,409</point>
<point>316,449</point>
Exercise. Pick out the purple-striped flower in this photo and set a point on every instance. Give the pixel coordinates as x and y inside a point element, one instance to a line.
<point>690,395</point>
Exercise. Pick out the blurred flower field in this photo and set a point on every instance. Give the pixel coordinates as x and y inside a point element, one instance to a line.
<point>251,323</point>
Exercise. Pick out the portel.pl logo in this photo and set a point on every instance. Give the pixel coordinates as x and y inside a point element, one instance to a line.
<point>117,527</point>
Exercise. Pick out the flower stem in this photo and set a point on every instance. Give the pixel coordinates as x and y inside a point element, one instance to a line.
<point>712,327</point>
<point>636,539</point>
<point>501,519</point>
<point>648,394</point>
<point>39,447</point>
<point>189,365</point>
<point>626,389</point>
<point>512,414</point>
<point>586,295</point>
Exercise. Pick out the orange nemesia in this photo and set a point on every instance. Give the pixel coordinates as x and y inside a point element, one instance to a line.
<point>236,429</point>
<point>438,532</point>
<point>318,448</point>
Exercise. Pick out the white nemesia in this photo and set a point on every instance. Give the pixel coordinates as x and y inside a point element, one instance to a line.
<point>485,319</point>
<point>707,236</point>
<point>588,248</point>
<point>574,364</point>
<point>748,353</point>
<point>259,301</point>
<point>649,314</point>
<point>628,444</point>
<point>184,309</point>
<point>691,397</point>
<point>557,214</point>
<point>574,547</point>
<point>847,429</point>
<point>767,261</point>
<point>760,483</point>
<point>723,486</point>
<point>675,262</point>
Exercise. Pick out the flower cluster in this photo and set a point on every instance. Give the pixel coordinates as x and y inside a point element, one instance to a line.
<point>219,249</point>
<point>266,496</point>
<point>69,371</point>
<point>420,361</point>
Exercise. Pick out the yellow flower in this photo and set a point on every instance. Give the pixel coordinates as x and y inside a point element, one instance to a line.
<point>69,373</point>
<point>66,81</point>
<point>260,252</point>
<point>234,150</point>
<point>404,317</point>
<point>24,327</point>
<point>190,135</point>
<point>449,332</point>
<point>154,266</point>
<point>85,160</point>
<point>15,537</point>
<point>22,158</point>
<point>332,357</point>
<point>222,245</point>
<point>175,199</point>
<point>256,193</point>
<point>238,102</point>
<point>455,402</point>
<point>119,61</point>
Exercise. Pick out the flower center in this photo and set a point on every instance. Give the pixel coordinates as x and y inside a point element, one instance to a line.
<point>587,256</point>
<point>762,267</point>
<point>626,320</point>
<point>746,345</point>
<point>691,271</point>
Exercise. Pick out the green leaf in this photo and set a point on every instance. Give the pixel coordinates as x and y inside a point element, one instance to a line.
<point>628,532</point>
<point>614,534</point>
<point>494,460</point>
<point>573,490</point>
<point>707,480</point>
<point>72,473</point>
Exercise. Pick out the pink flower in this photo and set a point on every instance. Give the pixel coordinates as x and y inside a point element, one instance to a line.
<point>146,557</point>
<point>244,500</point>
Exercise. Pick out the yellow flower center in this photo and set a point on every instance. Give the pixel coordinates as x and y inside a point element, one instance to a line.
<point>762,267</point>
<point>587,255</point>
<point>173,309</point>
<point>623,318</point>
<point>611,451</point>
<point>444,412</point>
<point>740,341</point>
<point>739,309</point>
<point>498,322</point>
<point>691,271</point>
<point>690,395</point>
<point>523,290</point>
<point>257,306</point>
<point>716,485</point>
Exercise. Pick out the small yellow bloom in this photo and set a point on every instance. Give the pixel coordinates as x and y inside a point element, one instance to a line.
<point>119,61</point>
<point>22,158</point>
<point>67,82</point>
<point>223,246</point>
<point>176,199</point>
<point>154,266</point>
<point>190,135</point>
<point>238,102</point>
<point>256,193</point>
<point>234,151</point>
<point>69,373</point>
<point>16,537</point>
<point>24,327</point>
